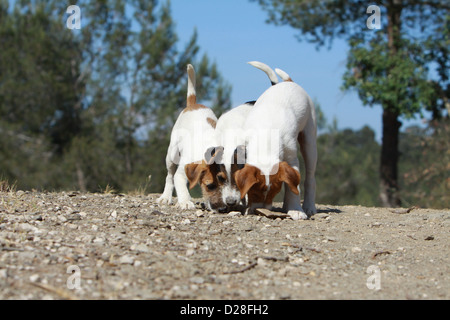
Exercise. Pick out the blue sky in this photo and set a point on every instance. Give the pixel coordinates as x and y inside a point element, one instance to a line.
<point>233,32</point>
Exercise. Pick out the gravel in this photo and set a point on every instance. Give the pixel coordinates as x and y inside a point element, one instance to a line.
<point>73,245</point>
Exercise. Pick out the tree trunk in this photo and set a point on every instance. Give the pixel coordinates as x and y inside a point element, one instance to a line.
<point>80,178</point>
<point>389,158</point>
<point>389,191</point>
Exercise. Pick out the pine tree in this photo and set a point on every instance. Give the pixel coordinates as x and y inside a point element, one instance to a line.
<point>391,67</point>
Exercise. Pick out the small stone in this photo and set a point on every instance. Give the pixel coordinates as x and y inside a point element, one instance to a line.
<point>3,273</point>
<point>200,213</point>
<point>74,217</point>
<point>142,248</point>
<point>376,224</point>
<point>356,249</point>
<point>34,278</point>
<point>98,240</point>
<point>27,228</point>
<point>197,280</point>
<point>126,259</point>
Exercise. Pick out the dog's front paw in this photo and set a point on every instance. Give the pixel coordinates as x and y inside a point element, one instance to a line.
<point>297,215</point>
<point>186,205</point>
<point>164,200</point>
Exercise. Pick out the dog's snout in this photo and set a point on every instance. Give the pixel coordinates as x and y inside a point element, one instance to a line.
<point>230,201</point>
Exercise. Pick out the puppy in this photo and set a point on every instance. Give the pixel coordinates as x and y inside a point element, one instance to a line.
<point>282,116</point>
<point>192,134</point>
<point>230,133</point>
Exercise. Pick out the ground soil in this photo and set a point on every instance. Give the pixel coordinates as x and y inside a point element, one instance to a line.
<point>72,245</point>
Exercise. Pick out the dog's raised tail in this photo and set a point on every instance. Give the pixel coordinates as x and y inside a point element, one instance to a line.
<point>264,67</point>
<point>191,93</point>
<point>283,75</point>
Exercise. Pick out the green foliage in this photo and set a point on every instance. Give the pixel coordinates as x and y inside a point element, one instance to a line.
<point>399,82</point>
<point>92,109</point>
<point>347,170</point>
<point>425,165</point>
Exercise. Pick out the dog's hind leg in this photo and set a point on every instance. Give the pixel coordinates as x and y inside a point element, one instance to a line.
<point>308,147</point>
<point>292,202</point>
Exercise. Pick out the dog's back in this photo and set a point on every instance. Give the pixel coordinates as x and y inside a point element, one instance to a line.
<point>193,132</point>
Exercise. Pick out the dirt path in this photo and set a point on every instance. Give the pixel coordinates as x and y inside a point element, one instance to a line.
<point>104,246</point>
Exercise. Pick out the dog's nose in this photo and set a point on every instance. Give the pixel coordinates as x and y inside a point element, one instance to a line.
<point>230,201</point>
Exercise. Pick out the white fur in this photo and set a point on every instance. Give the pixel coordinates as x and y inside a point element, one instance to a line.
<point>264,67</point>
<point>230,134</point>
<point>191,136</point>
<point>283,75</point>
<point>280,114</point>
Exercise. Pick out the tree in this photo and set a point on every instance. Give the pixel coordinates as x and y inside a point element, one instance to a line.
<point>39,101</point>
<point>92,108</point>
<point>425,166</point>
<point>402,67</point>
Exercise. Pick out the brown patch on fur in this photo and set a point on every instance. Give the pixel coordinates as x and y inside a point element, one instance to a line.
<point>250,181</point>
<point>192,104</point>
<point>191,100</point>
<point>211,178</point>
<point>194,173</point>
<point>211,122</point>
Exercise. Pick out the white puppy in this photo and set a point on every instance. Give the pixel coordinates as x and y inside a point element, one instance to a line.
<point>192,134</point>
<point>282,116</point>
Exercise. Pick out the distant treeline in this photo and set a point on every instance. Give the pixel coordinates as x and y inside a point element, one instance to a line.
<point>92,109</point>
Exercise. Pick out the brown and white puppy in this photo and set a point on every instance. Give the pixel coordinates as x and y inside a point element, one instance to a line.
<point>192,134</point>
<point>282,116</point>
<point>230,134</point>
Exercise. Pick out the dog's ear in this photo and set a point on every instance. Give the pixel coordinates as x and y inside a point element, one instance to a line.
<point>246,178</point>
<point>214,155</point>
<point>290,176</point>
<point>194,172</point>
<point>240,156</point>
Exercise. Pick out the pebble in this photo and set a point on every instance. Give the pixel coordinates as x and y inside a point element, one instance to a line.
<point>3,273</point>
<point>126,259</point>
<point>142,248</point>
<point>26,227</point>
<point>197,280</point>
<point>34,278</point>
<point>200,213</point>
